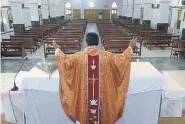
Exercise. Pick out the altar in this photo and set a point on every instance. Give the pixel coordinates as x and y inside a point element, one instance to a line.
<point>42,104</point>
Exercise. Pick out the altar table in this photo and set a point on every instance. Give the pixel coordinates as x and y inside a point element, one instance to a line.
<point>42,104</point>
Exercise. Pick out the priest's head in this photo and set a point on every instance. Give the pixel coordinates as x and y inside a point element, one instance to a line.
<point>92,39</point>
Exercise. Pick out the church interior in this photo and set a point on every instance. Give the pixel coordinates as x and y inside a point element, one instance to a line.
<point>29,27</point>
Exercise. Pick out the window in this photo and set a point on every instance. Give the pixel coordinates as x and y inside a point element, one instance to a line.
<point>114,5</point>
<point>91,4</point>
<point>68,5</point>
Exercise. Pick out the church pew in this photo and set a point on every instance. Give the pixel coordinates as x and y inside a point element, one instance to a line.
<point>178,48</point>
<point>161,41</point>
<point>115,39</point>
<point>12,49</point>
<point>68,37</point>
<point>30,40</point>
<point>65,45</point>
<point>29,44</point>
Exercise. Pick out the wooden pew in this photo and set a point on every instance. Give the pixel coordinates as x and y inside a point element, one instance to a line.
<point>69,37</point>
<point>115,39</point>
<point>66,45</point>
<point>29,45</point>
<point>12,49</point>
<point>178,48</point>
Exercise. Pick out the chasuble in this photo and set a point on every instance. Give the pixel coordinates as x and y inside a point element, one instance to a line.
<point>93,84</point>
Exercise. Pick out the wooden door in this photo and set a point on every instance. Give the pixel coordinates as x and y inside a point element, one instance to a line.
<point>76,14</point>
<point>91,15</point>
<point>106,14</point>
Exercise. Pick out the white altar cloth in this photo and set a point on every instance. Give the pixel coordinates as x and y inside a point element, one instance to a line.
<point>142,101</point>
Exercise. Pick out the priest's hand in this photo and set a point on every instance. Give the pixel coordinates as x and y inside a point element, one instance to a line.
<point>55,45</point>
<point>133,42</point>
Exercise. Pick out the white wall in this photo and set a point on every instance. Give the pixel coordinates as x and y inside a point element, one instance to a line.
<point>155,16</point>
<point>17,13</point>
<point>5,20</point>
<point>174,18</point>
<point>147,13</point>
<point>98,4</point>
<point>27,17</point>
<point>34,12</point>
<point>164,12</point>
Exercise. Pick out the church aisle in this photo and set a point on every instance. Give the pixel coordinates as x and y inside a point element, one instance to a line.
<point>91,27</point>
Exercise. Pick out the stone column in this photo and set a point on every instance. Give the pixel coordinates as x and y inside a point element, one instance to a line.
<point>162,22</point>
<point>129,10</point>
<point>45,11</point>
<point>147,13</point>
<point>53,10</point>
<point>82,9</point>
<point>137,12</point>
<point>35,22</point>
<point>5,21</point>
<point>62,9</point>
<point>182,27</point>
<point>26,13</point>
<point>17,14</point>
<point>124,9</point>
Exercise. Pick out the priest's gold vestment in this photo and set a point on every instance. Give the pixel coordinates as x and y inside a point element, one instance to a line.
<point>114,82</point>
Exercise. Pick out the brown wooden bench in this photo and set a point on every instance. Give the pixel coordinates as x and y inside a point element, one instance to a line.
<point>12,49</point>
<point>178,48</point>
<point>29,45</point>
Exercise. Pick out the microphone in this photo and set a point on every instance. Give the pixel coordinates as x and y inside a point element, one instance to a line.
<point>15,88</point>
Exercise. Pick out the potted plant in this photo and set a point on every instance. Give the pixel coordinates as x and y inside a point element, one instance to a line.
<point>183,2</point>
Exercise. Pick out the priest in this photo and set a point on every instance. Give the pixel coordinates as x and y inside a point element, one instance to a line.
<point>94,83</point>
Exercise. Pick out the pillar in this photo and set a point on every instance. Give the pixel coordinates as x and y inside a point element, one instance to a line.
<point>137,12</point>
<point>162,22</point>
<point>82,9</point>
<point>62,9</point>
<point>5,21</point>
<point>45,11</point>
<point>26,13</point>
<point>17,14</point>
<point>53,5</point>
<point>129,11</point>
<point>124,9</point>
<point>147,13</point>
<point>182,27</point>
<point>58,12</point>
<point>174,18</point>
<point>35,22</point>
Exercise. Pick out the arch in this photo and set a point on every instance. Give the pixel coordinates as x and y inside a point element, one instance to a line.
<point>91,4</point>
<point>68,5</point>
<point>114,5</point>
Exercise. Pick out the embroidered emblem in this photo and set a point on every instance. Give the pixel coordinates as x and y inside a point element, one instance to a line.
<point>93,102</point>
<point>93,66</point>
<point>93,111</point>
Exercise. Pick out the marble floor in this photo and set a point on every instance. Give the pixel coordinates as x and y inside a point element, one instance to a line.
<point>175,67</point>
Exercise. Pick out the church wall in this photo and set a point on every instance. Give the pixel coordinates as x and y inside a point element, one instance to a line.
<point>5,20</point>
<point>174,18</point>
<point>98,4</point>
<point>27,17</point>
